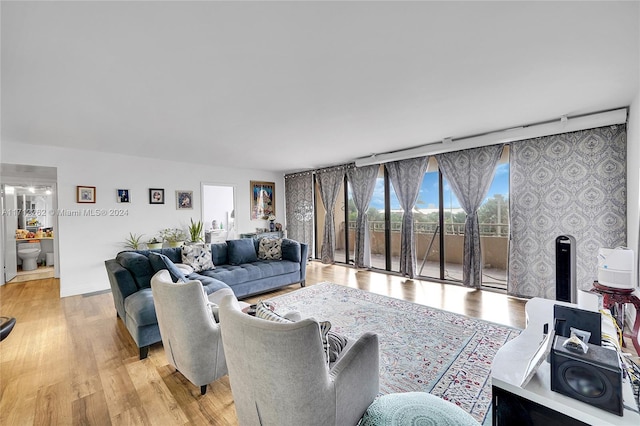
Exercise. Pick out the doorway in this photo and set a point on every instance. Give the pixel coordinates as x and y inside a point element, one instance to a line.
<point>218,212</point>
<point>28,198</point>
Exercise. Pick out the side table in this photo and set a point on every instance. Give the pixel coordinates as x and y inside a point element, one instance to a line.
<point>617,298</point>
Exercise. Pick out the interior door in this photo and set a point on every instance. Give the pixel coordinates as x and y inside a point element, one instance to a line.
<point>9,226</point>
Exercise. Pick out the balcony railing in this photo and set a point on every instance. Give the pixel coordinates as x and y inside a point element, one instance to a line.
<point>456,228</point>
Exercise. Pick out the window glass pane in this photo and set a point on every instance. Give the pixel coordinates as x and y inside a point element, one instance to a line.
<point>493,216</point>
<point>426,225</point>
<point>375,213</point>
<point>454,218</point>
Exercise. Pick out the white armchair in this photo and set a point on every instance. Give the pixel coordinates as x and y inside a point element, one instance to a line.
<point>279,374</point>
<point>190,335</point>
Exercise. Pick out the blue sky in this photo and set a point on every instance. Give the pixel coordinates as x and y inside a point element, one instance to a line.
<point>428,197</point>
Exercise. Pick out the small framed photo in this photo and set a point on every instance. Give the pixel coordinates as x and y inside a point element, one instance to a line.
<point>85,194</point>
<point>184,200</point>
<point>156,196</point>
<point>122,195</point>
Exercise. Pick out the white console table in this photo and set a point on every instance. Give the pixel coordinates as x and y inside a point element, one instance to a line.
<point>510,364</point>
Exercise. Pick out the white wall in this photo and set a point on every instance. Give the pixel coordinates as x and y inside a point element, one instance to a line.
<point>86,241</point>
<point>633,188</point>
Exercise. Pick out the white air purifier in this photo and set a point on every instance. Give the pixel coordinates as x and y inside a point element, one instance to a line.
<point>615,268</point>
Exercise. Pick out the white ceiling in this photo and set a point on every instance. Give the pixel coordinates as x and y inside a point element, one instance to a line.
<point>287,86</point>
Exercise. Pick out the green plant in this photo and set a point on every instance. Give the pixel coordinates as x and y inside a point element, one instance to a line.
<point>195,230</point>
<point>154,240</point>
<point>133,241</point>
<point>173,235</point>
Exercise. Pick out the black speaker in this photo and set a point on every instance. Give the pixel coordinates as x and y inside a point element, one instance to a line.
<point>566,269</point>
<point>594,377</point>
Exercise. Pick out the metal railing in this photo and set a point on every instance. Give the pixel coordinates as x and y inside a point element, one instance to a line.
<point>456,228</point>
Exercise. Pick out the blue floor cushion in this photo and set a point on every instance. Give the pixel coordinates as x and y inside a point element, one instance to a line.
<point>415,408</point>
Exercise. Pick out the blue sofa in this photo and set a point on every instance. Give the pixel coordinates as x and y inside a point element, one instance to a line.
<point>236,266</point>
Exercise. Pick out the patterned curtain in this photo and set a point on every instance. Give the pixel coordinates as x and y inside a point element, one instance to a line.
<point>569,184</point>
<point>470,173</point>
<point>406,177</point>
<point>299,206</point>
<point>363,182</point>
<point>329,182</point>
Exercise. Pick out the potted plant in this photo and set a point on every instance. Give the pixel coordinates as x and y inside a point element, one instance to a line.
<point>133,241</point>
<point>195,231</point>
<point>174,236</point>
<point>154,243</point>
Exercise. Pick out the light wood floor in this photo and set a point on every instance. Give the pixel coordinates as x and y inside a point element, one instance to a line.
<point>71,361</point>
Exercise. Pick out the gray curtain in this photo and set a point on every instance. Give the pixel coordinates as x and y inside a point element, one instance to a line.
<point>329,182</point>
<point>363,183</point>
<point>406,177</point>
<point>299,206</point>
<point>568,184</point>
<point>470,173</point>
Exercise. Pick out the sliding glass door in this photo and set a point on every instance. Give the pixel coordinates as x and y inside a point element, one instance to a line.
<point>438,227</point>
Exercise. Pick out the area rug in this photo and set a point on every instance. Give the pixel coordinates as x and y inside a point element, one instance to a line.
<point>421,348</point>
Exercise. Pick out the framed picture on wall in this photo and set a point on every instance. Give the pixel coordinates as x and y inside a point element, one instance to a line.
<point>263,199</point>
<point>184,200</point>
<point>85,194</point>
<point>156,196</point>
<point>122,195</point>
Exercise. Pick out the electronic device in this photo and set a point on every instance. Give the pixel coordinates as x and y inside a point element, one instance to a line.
<point>594,377</point>
<point>566,269</point>
<point>568,317</point>
<point>615,268</point>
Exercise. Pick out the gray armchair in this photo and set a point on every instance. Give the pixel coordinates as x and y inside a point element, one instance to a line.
<point>190,335</point>
<point>279,374</point>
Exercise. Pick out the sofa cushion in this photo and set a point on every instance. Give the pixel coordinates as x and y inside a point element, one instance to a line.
<point>270,249</point>
<point>140,307</point>
<point>238,274</point>
<point>161,260</point>
<point>241,251</point>
<point>197,256</point>
<point>291,250</point>
<point>219,254</point>
<point>139,267</point>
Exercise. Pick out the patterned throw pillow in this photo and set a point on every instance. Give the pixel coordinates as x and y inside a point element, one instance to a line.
<point>331,342</point>
<point>337,343</point>
<point>264,310</point>
<point>270,249</point>
<point>198,257</point>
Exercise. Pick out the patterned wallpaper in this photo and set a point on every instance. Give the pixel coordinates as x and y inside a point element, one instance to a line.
<point>569,184</point>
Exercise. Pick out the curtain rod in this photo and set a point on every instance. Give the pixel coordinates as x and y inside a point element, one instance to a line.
<point>547,128</point>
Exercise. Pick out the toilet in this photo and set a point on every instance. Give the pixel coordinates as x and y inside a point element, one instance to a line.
<point>28,253</point>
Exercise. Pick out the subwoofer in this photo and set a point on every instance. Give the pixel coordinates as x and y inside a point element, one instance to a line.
<point>594,377</point>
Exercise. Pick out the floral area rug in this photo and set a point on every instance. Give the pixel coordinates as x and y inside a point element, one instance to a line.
<point>421,348</point>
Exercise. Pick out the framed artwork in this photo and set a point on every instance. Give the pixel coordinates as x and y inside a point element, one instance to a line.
<point>122,195</point>
<point>263,199</point>
<point>156,196</point>
<point>85,194</point>
<point>184,200</point>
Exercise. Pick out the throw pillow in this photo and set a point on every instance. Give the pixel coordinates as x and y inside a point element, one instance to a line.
<point>176,274</point>
<point>265,311</point>
<point>270,249</point>
<point>241,251</point>
<point>331,342</point>
<point>198,257</point>
<point>337,343</point>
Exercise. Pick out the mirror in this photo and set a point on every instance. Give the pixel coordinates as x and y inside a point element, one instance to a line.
<point>218,212</point>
